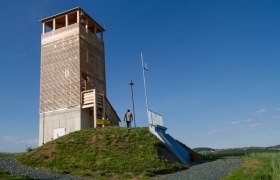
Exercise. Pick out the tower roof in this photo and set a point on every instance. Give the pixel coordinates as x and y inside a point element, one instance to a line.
<point>71,11</point>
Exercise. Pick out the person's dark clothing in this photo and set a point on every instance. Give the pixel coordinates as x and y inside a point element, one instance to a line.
<point>128,117</point>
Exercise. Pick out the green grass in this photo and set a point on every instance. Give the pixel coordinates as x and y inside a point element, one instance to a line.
<point>104,152</point>
<point>7,176</point>
<point>264,166</point>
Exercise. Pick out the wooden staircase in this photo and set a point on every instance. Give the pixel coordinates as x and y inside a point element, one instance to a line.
<point>103,111</point>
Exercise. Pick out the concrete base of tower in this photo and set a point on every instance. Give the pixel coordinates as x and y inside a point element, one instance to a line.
<point>58,123</point>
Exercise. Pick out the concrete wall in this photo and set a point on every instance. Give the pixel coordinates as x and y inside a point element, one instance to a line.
<point>69,118</point>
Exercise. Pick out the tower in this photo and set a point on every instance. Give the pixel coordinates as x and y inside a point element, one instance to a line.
<point>73,78</point>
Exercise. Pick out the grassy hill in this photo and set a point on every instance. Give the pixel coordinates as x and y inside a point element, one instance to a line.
<point>105,152</point>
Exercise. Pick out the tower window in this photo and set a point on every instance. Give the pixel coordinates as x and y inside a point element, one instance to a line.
<point>66,73</point>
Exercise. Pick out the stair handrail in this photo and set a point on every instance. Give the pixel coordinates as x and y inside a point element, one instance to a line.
<point>111,107</point>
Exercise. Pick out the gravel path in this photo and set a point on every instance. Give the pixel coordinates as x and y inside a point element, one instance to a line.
<point>207,171</point>
<point>10,165</point>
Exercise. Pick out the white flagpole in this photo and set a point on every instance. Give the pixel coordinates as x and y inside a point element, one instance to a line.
<point>143,68</point>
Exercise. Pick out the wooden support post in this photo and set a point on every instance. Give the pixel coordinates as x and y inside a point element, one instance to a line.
<point>94,109</point>
<point>54,25</point>
<point>95,30</point>
<point>66,20</point>
<point>78,16</point>
<point>103,108</point>
<point>44,28</point>
<point>86,24</point>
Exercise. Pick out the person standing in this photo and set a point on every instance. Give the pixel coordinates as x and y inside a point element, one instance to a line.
<point>128,117</point>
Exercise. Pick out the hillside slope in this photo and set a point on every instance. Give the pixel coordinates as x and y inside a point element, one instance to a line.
<point>109,152</point>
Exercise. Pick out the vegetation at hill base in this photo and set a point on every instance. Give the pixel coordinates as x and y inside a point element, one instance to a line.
<point>259,162</point>
<point>212,154</point>
<point>6,175</point>
<point>265,166</point>
<point>110,152</point>
<point>2,154</point>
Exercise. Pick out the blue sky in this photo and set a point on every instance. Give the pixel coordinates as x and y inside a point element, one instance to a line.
<point>213,67</point>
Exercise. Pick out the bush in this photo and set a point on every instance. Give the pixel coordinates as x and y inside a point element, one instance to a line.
<point>29,148</point>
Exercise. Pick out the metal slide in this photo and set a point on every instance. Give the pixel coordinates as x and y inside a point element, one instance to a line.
<point>177,149</point>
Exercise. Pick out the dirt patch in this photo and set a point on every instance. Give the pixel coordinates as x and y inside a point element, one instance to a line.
<point>252,165</point>
<point>166,154</point>
<point>47,151</point>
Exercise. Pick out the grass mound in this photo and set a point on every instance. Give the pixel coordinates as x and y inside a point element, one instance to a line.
<point>109,152</point>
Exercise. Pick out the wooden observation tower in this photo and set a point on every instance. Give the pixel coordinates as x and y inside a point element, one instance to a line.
<point>73,78</point>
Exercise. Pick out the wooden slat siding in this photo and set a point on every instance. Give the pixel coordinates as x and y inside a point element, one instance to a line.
<point>87,106</point>
<point>87,99</point>
<point>59,56</point>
